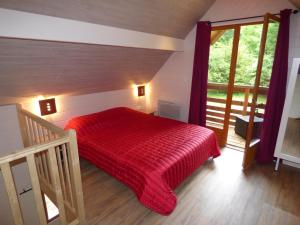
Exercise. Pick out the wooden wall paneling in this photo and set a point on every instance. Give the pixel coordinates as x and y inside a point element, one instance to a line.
<point>163,17</point>
<point>31,68</point>
<point>295,3</point>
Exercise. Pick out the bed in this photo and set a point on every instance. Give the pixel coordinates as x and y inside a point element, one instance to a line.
<point>149,154</point>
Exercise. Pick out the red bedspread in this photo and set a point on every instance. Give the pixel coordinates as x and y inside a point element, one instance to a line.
<point>151,155</point>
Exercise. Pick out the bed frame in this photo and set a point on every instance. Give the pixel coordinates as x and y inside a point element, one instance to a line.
<point>53,164</point>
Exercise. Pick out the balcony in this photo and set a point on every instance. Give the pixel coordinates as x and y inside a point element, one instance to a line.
<point>240,106</point>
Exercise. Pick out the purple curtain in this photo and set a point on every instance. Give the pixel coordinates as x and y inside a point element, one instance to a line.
<point>197,113</point>
<point>276,93</point>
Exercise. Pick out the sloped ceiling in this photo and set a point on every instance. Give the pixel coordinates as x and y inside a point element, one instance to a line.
<point>173,18</point>
<point>31,68</point>
<point>296,3</point>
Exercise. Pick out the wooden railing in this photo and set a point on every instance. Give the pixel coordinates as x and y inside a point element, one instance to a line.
<point>36,130</point>
<point>53,163</point>
<point>216,106</point>
<point>237,88</point>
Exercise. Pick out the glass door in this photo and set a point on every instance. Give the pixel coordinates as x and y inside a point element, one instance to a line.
<point>271,24</point>
<point>250,37</point>
<point>222,64</point>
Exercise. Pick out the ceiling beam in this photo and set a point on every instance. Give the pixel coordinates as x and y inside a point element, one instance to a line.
<point>23,25</point>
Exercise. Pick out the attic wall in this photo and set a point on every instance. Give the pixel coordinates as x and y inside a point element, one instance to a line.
<point>30,68</point>
<point>72,106</point>
<point>69,72</point>
<point>173,81</point>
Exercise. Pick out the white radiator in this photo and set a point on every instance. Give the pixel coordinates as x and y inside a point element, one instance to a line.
<point>168,110</point>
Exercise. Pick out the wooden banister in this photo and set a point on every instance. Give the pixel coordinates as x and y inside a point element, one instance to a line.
<point>57,185</point>
<point>32,150</point>
<point>43,122</point>
<point>12,194</point>
<point>67,172</point>
<point>36,189</point>
<point>76,180</point>
<point>54,170</point>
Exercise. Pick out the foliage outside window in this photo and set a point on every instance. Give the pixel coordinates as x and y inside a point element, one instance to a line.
<point>220,56</point>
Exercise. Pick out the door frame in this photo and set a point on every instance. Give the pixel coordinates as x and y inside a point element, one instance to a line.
<point>252,144</point>
<point>222,134</point>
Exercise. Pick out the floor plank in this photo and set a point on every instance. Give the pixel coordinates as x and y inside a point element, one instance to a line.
<point>219,192</point>
<point>235,140</point>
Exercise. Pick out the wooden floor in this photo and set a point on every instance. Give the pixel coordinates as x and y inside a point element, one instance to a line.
<point>235,140</point>
<point>218,193</point>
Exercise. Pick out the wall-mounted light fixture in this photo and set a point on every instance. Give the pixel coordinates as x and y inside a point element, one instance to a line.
<point>141,90</point>
<point>47,106</point>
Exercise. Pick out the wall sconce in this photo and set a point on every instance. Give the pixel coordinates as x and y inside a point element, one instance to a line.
<point>47,106</point>
<point>141,90</point>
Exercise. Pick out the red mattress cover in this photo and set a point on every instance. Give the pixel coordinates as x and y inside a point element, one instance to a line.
<point>151,155</point>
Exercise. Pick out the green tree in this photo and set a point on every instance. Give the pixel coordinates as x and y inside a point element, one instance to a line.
<point>220,56</point>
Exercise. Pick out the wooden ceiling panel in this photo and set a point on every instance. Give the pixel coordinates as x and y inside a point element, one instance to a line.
<point>164,17</point>
<point>30,68</point>
<point>296,3</point>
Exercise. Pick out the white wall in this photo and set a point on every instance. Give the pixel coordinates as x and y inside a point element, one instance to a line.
<point>10,136</point>
<point>173,81</point>
<point>72,106</point>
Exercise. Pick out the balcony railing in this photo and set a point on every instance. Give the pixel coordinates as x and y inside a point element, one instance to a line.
<point>216,106</point>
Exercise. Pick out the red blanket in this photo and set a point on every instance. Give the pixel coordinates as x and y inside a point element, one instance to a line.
<point>151,155</point>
